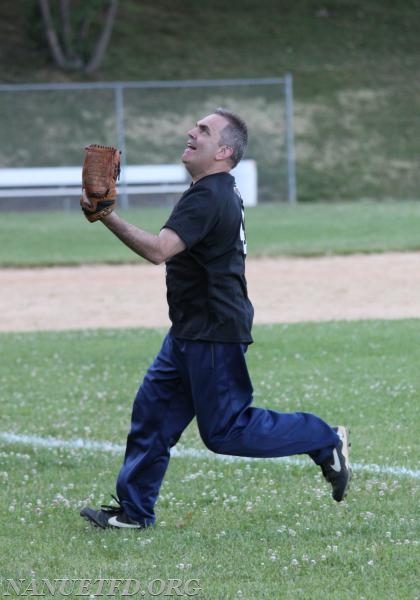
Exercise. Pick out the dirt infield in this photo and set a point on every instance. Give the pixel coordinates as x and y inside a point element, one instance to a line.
<point>383,286</point>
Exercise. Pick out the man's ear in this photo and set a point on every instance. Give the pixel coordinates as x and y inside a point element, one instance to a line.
<point>224,153</point>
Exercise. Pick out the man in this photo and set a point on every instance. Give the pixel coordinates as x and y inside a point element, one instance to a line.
<point>200,370</point>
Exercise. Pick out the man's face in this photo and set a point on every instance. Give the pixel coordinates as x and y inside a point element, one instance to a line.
<point>203,153</point>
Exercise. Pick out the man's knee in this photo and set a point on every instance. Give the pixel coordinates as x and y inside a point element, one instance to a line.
<point>215,443</point>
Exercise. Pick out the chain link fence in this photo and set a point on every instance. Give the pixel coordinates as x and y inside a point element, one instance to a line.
<point>50,124</point>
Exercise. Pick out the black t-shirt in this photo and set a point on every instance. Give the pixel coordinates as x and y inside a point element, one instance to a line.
<point>206,286</point>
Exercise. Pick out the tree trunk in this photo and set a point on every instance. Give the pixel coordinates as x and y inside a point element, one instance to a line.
<point>73,60</point>
<point>51,35</point>
<point>103,41</point>
<point>63,51</point>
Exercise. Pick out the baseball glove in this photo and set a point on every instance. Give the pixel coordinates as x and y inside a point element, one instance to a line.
<point>101,169</point>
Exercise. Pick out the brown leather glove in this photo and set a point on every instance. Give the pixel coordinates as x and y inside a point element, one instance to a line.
<point>101,169</point>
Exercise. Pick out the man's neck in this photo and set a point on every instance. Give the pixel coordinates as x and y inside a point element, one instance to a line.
<point>217,169</point>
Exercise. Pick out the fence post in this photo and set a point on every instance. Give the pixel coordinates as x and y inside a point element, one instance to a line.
<point>290,142</point>
<point>119,114</point>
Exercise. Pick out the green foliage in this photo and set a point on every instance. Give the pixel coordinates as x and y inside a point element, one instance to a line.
<point>354,65</point>
<point>244,528</point>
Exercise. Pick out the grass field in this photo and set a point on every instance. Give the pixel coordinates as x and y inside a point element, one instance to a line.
<point>254,529</point>
<point>66,238</point>
<point>244,528</point>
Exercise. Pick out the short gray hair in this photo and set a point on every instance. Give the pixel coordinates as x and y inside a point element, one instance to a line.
<point>234,135</point>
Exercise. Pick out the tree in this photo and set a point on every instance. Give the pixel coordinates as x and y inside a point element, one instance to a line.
<point>78,31</point>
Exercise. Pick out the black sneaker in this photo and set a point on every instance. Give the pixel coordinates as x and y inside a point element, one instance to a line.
<point>110,517</point>
<point>336,469</point>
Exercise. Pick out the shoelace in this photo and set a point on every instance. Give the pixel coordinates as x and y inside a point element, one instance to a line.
<point>111,508</point>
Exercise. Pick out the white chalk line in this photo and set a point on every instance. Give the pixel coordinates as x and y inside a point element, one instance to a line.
<point>181,452</point>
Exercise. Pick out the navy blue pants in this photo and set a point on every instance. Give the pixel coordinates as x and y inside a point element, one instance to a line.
<point>209,381</point>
